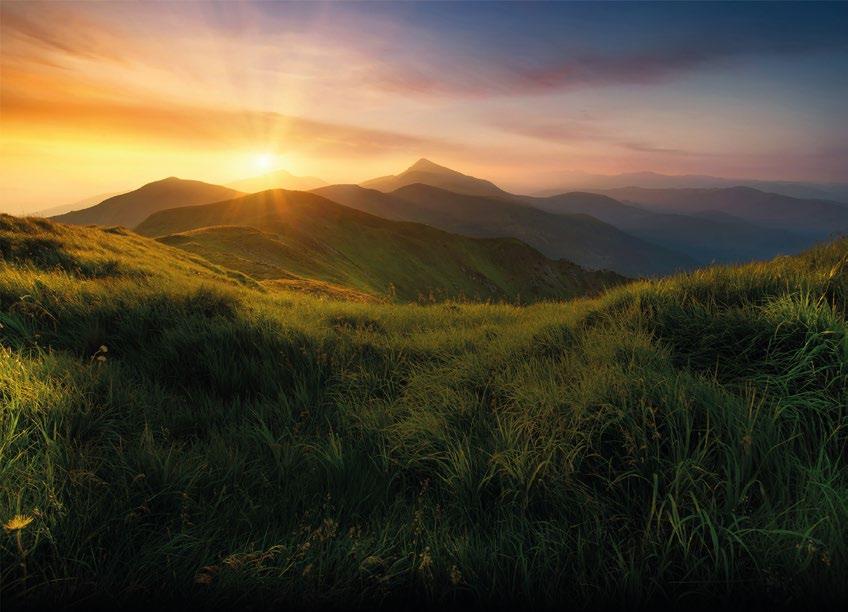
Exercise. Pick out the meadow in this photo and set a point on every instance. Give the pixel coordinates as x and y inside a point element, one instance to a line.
<point>171,430</point>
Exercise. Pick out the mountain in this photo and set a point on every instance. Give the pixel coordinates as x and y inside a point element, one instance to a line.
<point>710,237</point>
<point>78,205</point>
<point>819,218</point>
<point>130,209</point>
<point>704,240</point>
<point>578,238</point>
<point>293,235</point>
<point>426,172</point>
<point>579,181</point>
<point>278,179</point>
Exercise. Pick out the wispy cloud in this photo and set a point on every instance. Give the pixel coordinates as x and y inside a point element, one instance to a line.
<point>571,131</point>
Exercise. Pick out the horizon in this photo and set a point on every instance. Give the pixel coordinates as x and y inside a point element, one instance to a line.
<point>220,92</point>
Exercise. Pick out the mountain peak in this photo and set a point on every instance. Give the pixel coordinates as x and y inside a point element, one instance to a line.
<point>425,165</point>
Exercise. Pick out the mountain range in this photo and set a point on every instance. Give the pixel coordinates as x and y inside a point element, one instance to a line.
<point>580,181</point>
<point>580,238</point>
<point>632,231</point>
<point>293,235</point>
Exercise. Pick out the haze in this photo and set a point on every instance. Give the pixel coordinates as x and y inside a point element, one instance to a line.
<point>103,97</point>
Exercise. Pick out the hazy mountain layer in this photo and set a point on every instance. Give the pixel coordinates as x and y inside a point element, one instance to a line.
<point>130,209</point>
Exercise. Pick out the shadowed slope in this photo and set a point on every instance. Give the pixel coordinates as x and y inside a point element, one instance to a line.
<point>579,238</point>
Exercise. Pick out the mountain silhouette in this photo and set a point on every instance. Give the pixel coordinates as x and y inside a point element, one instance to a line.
<point>426,172</point>
<point>130,209</point>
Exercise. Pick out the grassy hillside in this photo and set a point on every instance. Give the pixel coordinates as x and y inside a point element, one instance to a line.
<point>578,238</point>
<point>296,235</point>
<point>130,209</point>
<point>169,430</point>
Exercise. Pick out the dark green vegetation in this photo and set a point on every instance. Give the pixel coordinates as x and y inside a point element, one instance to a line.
<point>130,209</point>
<point>295,235</point>
<point>177,431</point>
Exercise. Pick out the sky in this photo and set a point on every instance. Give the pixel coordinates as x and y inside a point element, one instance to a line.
<point>104,97</point>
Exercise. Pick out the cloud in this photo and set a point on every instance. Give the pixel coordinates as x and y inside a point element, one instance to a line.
<point>206,127</point>
<point>570,131</point>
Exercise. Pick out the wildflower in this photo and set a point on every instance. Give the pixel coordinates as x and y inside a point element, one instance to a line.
<point>18,522</point>
<point>103,348</point>
<point>455,575</point>
<point>307,570</point>
<point>426,559</point>
<point>101,358</point>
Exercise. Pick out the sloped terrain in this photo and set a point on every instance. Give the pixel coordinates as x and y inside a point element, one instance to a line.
<point>173,429</point>
<point>579,238</point>
<point>295,235</point>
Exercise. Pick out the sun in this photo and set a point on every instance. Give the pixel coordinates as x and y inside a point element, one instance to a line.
<point>264,161</point>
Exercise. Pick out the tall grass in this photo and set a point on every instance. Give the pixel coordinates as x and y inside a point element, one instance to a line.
<point>682,440</point>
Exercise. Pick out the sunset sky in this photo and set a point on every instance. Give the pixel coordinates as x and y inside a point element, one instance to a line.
<point>103,97</point>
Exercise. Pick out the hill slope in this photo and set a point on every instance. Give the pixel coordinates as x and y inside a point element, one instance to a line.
<point>278,179</point>
<point>578,238</point>
<point>669,442</point>
<point>288,234</point>
<point>426,172</point>
<point>130,209</point>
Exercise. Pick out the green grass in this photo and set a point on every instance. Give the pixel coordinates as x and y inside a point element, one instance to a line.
<point>681,440</point>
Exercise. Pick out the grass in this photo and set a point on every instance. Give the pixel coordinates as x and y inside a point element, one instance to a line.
<point>177,431</point>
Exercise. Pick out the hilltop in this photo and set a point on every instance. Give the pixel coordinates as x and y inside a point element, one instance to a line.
<point>172,421</point>
<point>130,209</point>
<point>282,234</point>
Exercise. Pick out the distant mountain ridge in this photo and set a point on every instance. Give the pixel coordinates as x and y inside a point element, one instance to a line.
<point>130,209</point>
<point>579,181</point>
<point>814,217</point>
<point>292,235</point>
<point>278,179</point>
